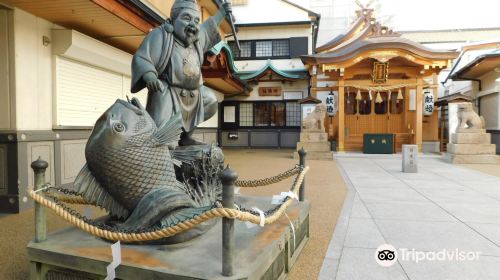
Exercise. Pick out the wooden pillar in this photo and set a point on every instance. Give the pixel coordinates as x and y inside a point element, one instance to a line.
<point>341,114</point>
<point>419,114</point>
<point>314,83</point>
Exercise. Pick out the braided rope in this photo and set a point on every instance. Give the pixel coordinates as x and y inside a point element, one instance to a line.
<point>267,181</point>
<point>71,199</point>
<point>172,230</point>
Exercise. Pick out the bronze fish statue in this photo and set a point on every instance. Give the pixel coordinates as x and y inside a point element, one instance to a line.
<point>130,166</point>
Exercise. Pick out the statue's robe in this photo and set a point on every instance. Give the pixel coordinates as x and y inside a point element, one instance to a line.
<point>179,69</point>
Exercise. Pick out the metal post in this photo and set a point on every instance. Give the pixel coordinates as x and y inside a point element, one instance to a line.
<point>228,177</point>
<point>302,163</point>
<point>39,166</point>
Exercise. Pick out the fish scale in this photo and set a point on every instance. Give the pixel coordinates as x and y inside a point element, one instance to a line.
<point>132,171</point>
<point>130,167</point>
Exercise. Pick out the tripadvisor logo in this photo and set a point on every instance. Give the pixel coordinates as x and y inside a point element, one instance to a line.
<point>386,255</point>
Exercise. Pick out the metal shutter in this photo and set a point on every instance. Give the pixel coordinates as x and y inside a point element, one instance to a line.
<point>84,92</point>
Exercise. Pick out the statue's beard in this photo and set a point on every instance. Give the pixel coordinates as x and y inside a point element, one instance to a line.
<point>191,34</point>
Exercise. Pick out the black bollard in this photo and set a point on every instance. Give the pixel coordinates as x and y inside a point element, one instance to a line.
<point>228,177</point>
<point>39,166</point>
<point>302,163</point>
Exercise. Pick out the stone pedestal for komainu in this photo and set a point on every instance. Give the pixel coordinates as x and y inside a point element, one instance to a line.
<point>470,143</point>
<point>313,137</point>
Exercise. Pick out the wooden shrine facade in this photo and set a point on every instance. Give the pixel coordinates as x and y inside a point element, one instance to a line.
<point>379,79</point>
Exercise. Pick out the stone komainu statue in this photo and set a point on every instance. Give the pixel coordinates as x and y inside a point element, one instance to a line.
<point>315,120</point>
<point>468,118</point>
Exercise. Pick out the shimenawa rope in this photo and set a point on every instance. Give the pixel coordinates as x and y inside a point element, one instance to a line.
<point>171,230</point>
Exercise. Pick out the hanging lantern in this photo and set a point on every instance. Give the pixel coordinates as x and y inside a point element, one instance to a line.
<point>378,99</point>
<point>400,94</point>
<point>428,102</point>
<point>331,104</point>
<point>358,95</point>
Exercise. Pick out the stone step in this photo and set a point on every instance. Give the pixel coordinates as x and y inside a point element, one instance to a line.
<point>473,159</point>
<point>315,156</point>
<point>471,130</point>
<point>472,149</point>
<point>314,146</point>
<point>471,138</point>
<point>313,137</point>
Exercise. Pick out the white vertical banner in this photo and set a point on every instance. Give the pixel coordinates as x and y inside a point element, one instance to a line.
<point>413,100</point>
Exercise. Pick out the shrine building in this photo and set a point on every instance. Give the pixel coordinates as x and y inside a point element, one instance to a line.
<point>381,83</point>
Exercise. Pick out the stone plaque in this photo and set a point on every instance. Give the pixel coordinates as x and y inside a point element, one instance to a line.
<point>410,158</point>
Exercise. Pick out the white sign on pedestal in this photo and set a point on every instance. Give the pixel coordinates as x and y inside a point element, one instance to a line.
<point>410,158</point>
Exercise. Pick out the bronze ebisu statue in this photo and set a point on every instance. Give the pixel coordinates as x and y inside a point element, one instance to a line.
<point>169,63</point>
<point>143,166</point>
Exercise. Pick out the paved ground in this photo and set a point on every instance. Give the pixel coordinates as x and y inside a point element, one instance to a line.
<point>444,206</point>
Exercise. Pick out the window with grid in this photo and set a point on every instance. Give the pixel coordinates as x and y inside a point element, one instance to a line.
<point>281,48</point>
<point>277,114</point>
<point>246,114</point>
<point>292,114</point>
<point>246,49</point>
<point>264,48</point>
<point>262,113</point>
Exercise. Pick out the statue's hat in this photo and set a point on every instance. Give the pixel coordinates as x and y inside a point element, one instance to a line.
<point>185,4</point>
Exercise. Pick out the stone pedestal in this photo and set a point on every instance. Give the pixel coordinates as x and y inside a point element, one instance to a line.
<point>261,252</point>
<point>472,146</point>
<point>316,144</point>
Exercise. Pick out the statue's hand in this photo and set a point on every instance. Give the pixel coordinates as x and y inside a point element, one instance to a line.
<point>155,86</point>
<point>153,83</point>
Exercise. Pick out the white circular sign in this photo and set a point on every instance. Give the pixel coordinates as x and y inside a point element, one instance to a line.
<point>386,255</point>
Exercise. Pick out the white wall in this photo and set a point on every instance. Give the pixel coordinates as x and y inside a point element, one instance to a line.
<point>254,95</point>
<point>214,121</point>
<point>282,64</point>
<point>35,83</point>
<point>257,11</point>
<point>33,72</point>
<point>489,105</point>
<point>490,83</point>
<point>7,118</point>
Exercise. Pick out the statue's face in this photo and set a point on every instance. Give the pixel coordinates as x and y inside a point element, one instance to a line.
<point>186,26</point>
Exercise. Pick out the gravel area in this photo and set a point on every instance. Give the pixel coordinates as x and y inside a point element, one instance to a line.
<point>324,188</point>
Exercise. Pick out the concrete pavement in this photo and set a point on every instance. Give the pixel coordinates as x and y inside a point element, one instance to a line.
<point>443,207</point>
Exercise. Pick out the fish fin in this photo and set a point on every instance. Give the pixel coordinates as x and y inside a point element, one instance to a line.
<point>169,131</point>
<point>157,204</point>
<point>92,191</point>
<point>186,156</point>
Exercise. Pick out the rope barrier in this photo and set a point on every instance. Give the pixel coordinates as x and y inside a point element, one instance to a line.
<point>171,230</point>
<point>71,199</point>
<point>267,181</point>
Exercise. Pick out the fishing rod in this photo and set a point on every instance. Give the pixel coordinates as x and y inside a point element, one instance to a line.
<point>233,28</point>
